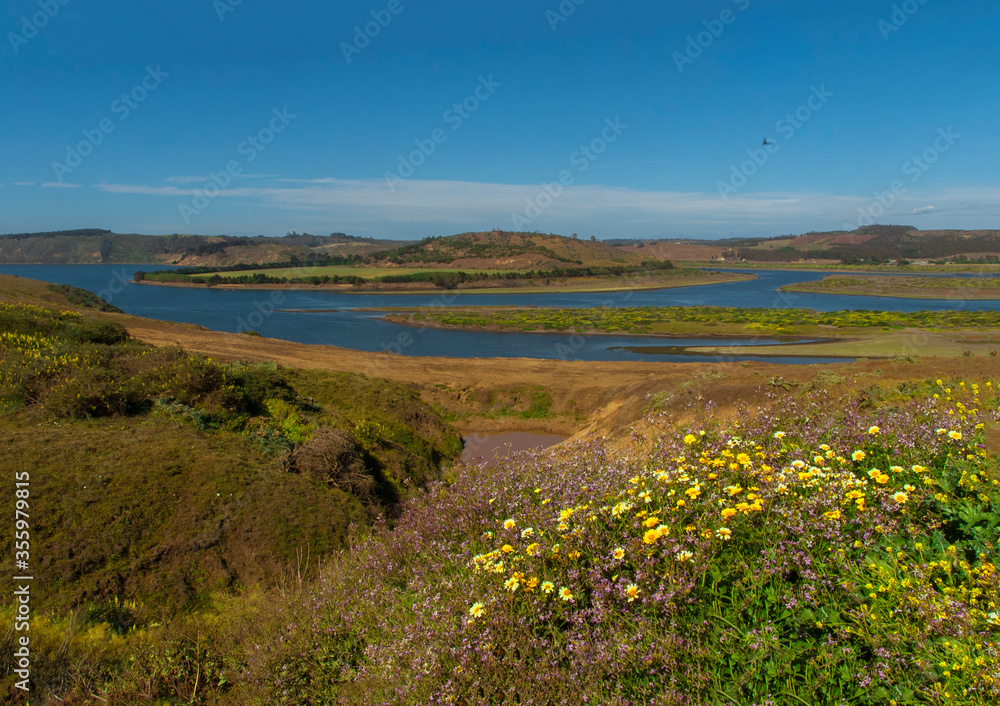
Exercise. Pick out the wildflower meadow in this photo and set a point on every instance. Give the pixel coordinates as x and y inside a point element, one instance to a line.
<point>814,551</point>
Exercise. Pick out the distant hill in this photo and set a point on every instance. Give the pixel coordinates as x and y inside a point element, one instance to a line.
<point>490,249</point>
<point>98,246</point>
<point>509,251</point>
<point>683,250</point>
<point>876,243</point>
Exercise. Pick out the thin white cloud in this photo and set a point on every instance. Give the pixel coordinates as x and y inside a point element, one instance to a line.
<point>325,180</point>
<point>205,178</point>
<point>438,204</point>
<point>146,190</point>
<point>24,183</point>
<point>60,185</point>
<point>193,179</point>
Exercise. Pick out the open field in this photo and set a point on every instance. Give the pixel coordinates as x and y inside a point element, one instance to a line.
<point>968,288</point>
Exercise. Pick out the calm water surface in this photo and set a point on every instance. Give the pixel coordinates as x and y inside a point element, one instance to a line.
<point>340,323</point>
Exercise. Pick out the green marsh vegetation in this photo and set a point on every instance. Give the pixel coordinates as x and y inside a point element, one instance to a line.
<point>701,320</point>
<point>909,287</point>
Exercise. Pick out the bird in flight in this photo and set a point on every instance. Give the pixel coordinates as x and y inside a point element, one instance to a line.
<point>767,142</point>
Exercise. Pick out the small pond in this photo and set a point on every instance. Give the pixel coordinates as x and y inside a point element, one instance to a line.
<point>486,448</point>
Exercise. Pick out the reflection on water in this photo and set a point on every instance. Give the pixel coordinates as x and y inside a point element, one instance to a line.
<point>486,448</point>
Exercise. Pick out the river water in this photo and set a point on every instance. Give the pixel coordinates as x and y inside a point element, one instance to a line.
<point>341,324</point>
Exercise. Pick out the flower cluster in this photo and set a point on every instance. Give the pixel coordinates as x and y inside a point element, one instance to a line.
<point>832,552</point>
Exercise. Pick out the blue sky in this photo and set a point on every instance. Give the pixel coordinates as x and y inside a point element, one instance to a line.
<point>409,118</point>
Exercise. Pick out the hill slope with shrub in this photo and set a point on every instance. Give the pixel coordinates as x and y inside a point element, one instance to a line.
<point>162,481</point>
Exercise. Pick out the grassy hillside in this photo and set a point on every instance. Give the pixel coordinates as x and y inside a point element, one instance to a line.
<point>162,481</point>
